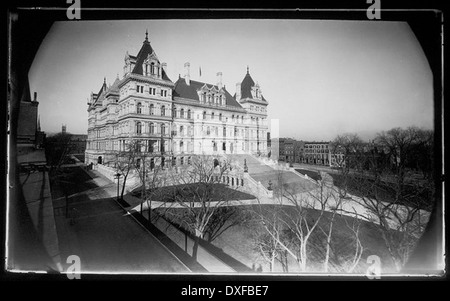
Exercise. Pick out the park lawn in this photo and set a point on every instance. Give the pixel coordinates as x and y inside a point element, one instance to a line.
<point>218,192</point>
<point>239,241</point>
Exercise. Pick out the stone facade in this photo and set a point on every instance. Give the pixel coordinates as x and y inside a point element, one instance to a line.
<point>174,120</point>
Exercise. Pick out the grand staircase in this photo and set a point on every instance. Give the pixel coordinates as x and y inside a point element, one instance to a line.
<point>264,173</point>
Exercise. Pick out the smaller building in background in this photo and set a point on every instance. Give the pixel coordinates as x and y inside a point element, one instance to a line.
<point>306,152</point>
<point>289,150</point>
<point>316,153</point>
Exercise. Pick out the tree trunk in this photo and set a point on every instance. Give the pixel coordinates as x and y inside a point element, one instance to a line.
<point>272,262</point>
<point>327,254</point>
<point>123,186</point>
<point>195,247</point>
<point>302,262</point>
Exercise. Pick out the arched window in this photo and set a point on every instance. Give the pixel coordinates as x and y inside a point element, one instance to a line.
<point>152,128</point>
<point>138,127</point>
<point>189,114</point>
<point>152,109</point>
<point>152,68</point>
<point>163,129</point>
<point>163,111</point>
<point>220,116</point>
<point>212,116</point>
<point>204,114</point>
<point>208,131</point>
<point>181,146</point>
<point>174,111</point>
<point>139,108</point>
<point>182,113</point>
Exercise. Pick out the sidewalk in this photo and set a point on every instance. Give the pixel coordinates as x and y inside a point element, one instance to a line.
<point>104,236</point>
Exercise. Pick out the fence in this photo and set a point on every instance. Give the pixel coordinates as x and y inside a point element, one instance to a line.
<point>185,241</point>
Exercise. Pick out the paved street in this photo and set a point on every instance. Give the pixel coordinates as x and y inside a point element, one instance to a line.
<point>100,232</point>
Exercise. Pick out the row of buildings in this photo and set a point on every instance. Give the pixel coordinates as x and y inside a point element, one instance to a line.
<point>307,152</point>
<point>174,120</point>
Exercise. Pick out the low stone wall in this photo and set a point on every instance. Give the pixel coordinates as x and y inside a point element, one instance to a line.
<point>108,172</point>
<point>257,187</point>
<point>304,176</point>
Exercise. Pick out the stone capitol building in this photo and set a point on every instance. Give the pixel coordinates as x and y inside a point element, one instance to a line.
<point>174,120</point>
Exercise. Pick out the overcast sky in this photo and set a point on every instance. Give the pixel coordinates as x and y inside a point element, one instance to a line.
<point>321,78</point>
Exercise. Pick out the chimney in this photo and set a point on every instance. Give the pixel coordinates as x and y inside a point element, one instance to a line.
<point>219,80</point>
<point>35,96</point>
<point>187,76</point>
<point>238,91</point>
<point>164,66</point>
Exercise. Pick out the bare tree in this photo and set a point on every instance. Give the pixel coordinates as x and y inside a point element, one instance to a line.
<point>224,219</point>
<point>349,147</point>
<point>394,201</point>
<point>268,243</point>
<point>200,192</point>
<point>57,147</point>
<point>302,225</point>
<point>400,220</point>
<point>124,162</point>
<point>149,169</point>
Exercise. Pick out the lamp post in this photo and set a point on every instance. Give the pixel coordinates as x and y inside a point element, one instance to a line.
<point>117,176</point>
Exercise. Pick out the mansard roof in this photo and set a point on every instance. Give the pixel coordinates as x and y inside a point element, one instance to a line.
<point>246,87</point>
<point>145,51</point>
<point>190,92</point>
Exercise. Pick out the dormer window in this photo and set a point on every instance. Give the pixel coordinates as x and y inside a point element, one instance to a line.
<point>152,68</point>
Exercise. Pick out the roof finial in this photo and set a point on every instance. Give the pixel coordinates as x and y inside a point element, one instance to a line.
<point>247,69</point>
<point>104,80</point>
<point>146,35</point>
